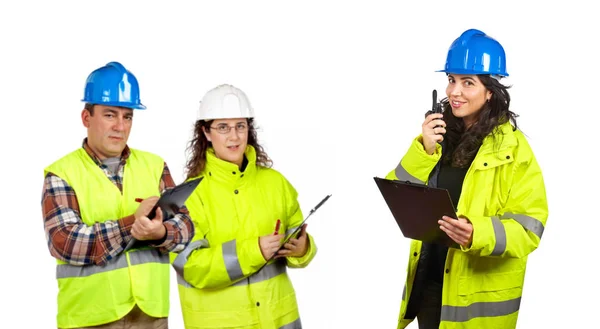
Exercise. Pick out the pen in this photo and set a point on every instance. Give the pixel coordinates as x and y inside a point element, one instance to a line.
<point>277,227</point>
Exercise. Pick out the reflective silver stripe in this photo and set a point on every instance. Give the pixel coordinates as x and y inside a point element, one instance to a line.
<point>232,263</point>
<point>403,175</point>
<point>500,234</point>
<point>71,271</point>
<point>183,256</point>
<point>477,310</point>
<point>290,230</point>
<point>136,257</point>
<point>268,272</point>
<point>533,225</point>
<point>147,256</point>
<point>292,325</point>
<point>181,281</point>
<point>404,292</point>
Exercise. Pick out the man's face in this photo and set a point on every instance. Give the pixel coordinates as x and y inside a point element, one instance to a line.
<point>108,129</point>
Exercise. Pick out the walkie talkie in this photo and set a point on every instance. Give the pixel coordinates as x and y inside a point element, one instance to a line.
<point>436,106</point>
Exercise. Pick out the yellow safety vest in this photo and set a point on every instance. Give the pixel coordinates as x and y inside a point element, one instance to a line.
<point>92,295</point>
<point>504,197</point>
<point>231,210</point>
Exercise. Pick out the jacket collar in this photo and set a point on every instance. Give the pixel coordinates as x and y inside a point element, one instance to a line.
<point>497,148</point>
<point>228,172</point>
<point>502,139</point>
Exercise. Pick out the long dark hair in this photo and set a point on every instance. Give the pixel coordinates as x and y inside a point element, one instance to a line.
<point>199,144</point>
<point>461,144</point>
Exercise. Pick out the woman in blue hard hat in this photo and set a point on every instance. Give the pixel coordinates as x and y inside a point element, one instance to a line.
<point>236,210</point>
<point>475,151</point>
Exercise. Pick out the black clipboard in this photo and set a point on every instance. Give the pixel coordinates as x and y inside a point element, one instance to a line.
<point>174,198</point>
<point>169,202</point>
<point>295,232</point>
<point>417,209</point>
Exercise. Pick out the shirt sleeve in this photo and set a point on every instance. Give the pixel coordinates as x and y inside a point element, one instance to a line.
<point>71,240</point>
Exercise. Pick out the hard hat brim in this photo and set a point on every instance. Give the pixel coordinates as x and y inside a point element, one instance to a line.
<point>471,72</point>
<point>209,118</point>
<point>119,104</point>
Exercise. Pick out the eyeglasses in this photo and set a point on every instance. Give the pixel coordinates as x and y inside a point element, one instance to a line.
<point>223,128</point>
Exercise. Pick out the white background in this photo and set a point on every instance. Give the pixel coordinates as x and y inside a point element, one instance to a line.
<point>340,91</point>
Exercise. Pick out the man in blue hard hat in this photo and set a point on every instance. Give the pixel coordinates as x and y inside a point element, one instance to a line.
<point>95,200</point>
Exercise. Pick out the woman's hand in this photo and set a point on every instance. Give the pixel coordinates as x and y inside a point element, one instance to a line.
<point>295,247</point>
<point>269,244</point>
<point>431,134</point>
<point>460,230</point>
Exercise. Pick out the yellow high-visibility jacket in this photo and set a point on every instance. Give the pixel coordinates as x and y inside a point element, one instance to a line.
<point>504,197</point>
<point>218,286</point>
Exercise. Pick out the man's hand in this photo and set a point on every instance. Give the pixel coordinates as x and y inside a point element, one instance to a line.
<point>145,228</point>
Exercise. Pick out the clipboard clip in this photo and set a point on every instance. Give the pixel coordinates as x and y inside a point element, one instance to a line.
<point>319,204</point>
<point>295,231</point>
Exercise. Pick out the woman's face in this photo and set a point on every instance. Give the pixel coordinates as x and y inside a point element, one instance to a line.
<point>467,96</point>
<point>229,138</point>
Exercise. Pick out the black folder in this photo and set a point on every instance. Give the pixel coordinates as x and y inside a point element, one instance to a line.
<point>172,199</point>
<point>169,202</point>
<point>417,209</point>
<point>295,232</point>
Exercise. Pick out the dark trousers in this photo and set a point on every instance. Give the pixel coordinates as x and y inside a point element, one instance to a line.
<point>431,306</point>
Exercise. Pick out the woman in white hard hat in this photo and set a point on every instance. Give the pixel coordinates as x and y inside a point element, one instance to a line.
<point>475,151</point>
<point>236,210</point>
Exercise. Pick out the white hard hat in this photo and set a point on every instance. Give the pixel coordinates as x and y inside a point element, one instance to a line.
<point>225,102</point>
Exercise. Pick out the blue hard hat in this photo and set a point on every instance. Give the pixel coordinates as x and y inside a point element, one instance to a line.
<point>474,52</point>
<point>113,85</point>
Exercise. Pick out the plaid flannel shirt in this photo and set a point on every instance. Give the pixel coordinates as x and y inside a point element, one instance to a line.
<point>72,241</point>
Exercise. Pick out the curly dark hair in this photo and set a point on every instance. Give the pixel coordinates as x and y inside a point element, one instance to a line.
<point>199,144</point>
<point>461,144</point>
